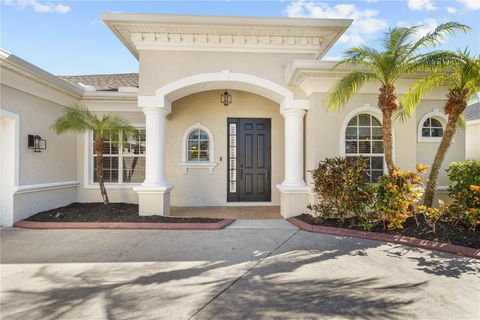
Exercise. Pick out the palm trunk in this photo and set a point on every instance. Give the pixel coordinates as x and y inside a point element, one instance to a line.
<point>439,157</point>
<point>456,104</point>
<point>387,102</point>
<point>388,140</point>
<point>101,180</point>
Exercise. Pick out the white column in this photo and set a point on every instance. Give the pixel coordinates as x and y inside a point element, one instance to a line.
<point>155,121</point>
<point>154,193</point>
<point>294,148</point>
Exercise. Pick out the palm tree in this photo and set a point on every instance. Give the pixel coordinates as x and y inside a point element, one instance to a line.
<point>79,119</point>
<point>399,56</point>
<point>462,78</point>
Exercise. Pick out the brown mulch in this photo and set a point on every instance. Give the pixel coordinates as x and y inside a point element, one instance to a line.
<point>112,212</point>
<point>446,232</point>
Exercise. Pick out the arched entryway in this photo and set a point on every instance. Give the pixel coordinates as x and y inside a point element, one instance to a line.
<point>154,194</point>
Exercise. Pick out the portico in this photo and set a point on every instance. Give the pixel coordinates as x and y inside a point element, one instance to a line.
<point>185,60</point>
<point>154,193</point>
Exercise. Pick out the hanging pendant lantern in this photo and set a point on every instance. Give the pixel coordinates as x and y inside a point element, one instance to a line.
<point>226,98</point>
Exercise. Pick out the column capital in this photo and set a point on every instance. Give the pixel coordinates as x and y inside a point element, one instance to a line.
<point>155,110</point>
<point>293,112</point>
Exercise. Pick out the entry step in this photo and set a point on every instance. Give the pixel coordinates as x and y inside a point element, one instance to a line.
<point>261,224</point>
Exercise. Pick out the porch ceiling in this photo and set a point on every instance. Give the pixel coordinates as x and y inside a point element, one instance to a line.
<point>225,34</point>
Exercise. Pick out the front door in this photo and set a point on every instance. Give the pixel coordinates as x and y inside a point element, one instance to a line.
<point>249,160</point>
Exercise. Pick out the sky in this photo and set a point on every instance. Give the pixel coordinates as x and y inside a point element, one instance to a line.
<point>68,37</point>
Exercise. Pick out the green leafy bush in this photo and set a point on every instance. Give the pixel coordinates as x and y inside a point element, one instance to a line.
<point>342,188</point>
<point>395,197</point>
<point>465,191</point>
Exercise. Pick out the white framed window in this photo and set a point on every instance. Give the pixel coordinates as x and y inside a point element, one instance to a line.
<point>198,146</point>
<point>363,137</point>
<point>198,149</point>
<point>123,164</point>
<point>431,127</point>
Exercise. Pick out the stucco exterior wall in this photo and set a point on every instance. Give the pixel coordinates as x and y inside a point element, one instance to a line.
<point>160,68</point>
<point>323,131</point>
<point>473,139</point>
<point>54,165</point>
<point>426,151</point>
<point>198,187</point>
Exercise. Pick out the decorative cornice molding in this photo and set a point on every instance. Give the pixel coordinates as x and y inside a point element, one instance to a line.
<point>225,34</point>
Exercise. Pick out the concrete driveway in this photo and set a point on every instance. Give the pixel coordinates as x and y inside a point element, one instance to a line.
<point>252,270</point>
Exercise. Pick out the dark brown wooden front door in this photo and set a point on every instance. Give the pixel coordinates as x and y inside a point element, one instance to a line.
<point>249,160</point>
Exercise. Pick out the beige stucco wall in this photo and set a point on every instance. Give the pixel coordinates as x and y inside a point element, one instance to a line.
<point>198,187</point>
<point>323,135</point>
<point>473,139</point>
<point>426,151</point>
<point>56,164</point>
<point>162,67</point>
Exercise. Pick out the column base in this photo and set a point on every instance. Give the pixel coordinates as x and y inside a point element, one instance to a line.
<point>293,200</point>
<point>153,200</point>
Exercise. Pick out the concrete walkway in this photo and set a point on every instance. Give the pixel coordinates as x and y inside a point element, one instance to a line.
<point>259,271</point>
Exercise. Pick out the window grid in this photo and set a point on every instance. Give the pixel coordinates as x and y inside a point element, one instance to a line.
<point>125,164</point>
<point>363,137</point>
<point>198,146</point>
<point>432,128</point>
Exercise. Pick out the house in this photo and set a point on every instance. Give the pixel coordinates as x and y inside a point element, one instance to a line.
<point>230,110</point>
<point>472,118</point>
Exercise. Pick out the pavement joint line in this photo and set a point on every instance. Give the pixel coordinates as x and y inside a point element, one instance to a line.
<point>242,275</point>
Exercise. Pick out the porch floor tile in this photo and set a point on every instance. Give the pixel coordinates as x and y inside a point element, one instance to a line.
<point>234,212</point>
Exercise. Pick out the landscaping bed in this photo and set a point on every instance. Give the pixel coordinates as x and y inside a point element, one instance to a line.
<point>458,234</point>
<point>113,212</point>
<point>114,216</point>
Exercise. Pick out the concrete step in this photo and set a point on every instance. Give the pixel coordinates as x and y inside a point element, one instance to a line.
<point>261,224</point>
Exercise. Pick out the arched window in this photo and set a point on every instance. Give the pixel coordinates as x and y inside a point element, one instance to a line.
<point>198,149</point>
<point>363,137</point>
<point>198,146</point>
<point>432,128</point>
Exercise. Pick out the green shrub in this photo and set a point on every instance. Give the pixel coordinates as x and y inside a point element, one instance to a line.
<point>395,197</point>
<point>465,191</point>
<point>342,188</point>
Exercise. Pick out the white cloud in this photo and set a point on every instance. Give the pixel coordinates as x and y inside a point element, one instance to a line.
<point>451,10</point>
<point>364,21</point>
<point>426,26</point>
<point>46,7</point>
<point>471,4</point>
<point>417,5</point>
<point>372,1</point>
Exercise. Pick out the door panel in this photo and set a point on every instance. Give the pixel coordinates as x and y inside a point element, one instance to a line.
<point>253,150</point>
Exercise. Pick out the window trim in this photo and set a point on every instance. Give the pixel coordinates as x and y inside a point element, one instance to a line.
<point>373,111</point>
<point>88,182</point>
<point>186,164</point>
<point>437,115</point>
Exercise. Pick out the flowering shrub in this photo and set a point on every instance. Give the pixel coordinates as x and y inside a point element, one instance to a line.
<point>432,215</point>
<point>342,188</point>
<point>465,191</point>
<point>395,196</point>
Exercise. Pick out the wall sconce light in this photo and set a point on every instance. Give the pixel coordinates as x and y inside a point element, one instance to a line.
<point>36,143</point>
<point>226,98</point>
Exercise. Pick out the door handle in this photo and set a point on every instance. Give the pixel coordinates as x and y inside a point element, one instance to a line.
<point>241,174</point>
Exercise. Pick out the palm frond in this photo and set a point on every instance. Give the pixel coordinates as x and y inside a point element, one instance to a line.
<point>437,36</point>
<point>416,92</point>
<point>76,119</point>
<point>346,87</point>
